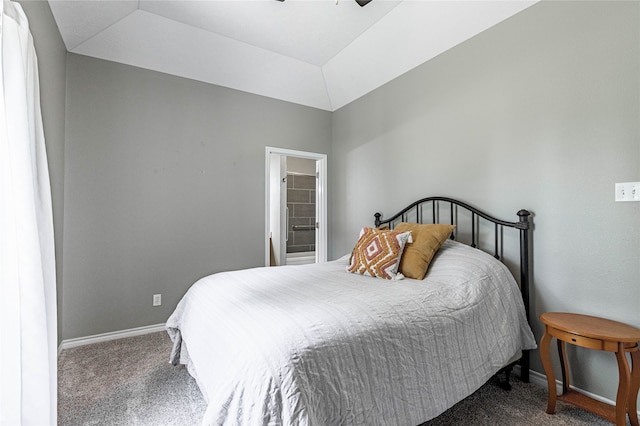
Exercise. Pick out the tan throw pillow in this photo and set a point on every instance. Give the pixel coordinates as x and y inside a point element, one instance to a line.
<point>377,253</point>
<point>427,239</point>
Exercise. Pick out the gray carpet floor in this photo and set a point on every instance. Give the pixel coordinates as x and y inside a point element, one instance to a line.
<point>130,382</point>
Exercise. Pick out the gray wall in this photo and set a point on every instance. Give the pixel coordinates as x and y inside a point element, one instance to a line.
<point>540,112</point>
<point>52,59</point>
<point>158,173</point>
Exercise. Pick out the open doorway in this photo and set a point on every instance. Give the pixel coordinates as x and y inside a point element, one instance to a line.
<point>296,200</point>
<point>300,211</point>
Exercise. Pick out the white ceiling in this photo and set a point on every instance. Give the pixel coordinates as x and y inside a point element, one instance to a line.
<point>310,52</point>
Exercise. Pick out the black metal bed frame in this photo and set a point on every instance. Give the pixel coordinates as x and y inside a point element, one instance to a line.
<point>523,224</point>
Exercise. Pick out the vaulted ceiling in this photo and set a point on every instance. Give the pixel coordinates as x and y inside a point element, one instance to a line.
<point>319,53</point>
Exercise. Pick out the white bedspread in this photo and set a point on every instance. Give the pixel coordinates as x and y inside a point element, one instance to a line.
<point>316,345</point>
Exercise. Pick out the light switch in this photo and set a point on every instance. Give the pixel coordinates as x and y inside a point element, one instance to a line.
<point>628,191</point>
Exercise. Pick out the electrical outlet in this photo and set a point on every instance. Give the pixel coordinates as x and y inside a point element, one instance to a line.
<point>157,299</point>
<point>628,191</point>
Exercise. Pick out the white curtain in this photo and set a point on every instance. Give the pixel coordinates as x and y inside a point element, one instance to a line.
<point>28,325</point>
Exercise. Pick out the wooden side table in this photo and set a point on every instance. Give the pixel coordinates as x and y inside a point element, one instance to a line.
<point>593,333</point>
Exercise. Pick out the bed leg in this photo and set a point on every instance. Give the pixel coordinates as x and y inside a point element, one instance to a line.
<point>504,376</point>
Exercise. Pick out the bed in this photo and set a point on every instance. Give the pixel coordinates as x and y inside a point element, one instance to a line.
<point>320,345</point>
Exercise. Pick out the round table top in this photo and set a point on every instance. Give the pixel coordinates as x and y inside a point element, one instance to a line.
<point>590,326</point>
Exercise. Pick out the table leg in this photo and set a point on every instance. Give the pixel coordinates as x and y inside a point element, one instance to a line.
<point>635,386</point>
<point>545,357</point>
<point>564,366</point>
<point>623,386</point>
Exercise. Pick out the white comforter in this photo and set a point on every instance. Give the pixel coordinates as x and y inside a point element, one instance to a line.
<point>316,345</point>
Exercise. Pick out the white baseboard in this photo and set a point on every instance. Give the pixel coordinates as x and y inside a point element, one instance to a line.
<point>541,380</point>
<point>105,337</point>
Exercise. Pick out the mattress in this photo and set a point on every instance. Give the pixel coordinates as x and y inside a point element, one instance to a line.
<point>316,345</point>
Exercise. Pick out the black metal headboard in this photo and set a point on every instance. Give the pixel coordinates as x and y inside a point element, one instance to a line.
<point>416,212</point>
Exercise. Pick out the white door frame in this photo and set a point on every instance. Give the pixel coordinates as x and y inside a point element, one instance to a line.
<point>321,199</point>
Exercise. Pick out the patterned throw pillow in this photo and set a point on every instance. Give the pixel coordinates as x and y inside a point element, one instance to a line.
<point>377,253</point>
